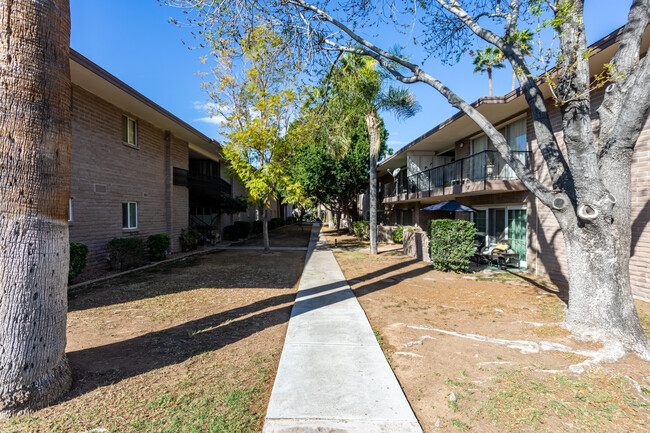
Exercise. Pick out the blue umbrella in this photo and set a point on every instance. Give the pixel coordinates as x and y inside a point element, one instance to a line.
<point>449,206</point>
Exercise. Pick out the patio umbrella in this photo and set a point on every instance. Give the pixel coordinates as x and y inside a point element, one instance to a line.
<point>449,206</point>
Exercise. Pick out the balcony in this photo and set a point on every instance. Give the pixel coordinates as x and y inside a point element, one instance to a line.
<point>483,171</point>
<point>209,184</point>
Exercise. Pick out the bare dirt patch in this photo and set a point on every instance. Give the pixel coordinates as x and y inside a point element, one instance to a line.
<point>425,321</point>
<point>184,347</point>
<point>287,236</point>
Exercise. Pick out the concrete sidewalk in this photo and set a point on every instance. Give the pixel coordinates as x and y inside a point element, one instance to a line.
<point>333,376</point>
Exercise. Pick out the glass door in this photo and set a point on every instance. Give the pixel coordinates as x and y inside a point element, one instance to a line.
<point>517,232</point>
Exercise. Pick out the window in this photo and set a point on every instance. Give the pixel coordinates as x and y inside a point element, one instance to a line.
<point>491,163</point>
<point>70,210</point>
<point>129,131</point>
<point>129,215</point>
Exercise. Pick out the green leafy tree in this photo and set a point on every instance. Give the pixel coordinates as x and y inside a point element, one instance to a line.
<point>587,181</point>
<point>333,178</point>
<point>258,93</point>
<point>360,85</point>
<point>488,59</point>
<point>523,39</point>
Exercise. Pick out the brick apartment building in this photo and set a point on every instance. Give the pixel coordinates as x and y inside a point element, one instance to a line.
<point>455,160</point>
<point>136,168</point>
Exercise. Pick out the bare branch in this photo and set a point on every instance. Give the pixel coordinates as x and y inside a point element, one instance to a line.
<point>454,7</point>
<point>624,67</point>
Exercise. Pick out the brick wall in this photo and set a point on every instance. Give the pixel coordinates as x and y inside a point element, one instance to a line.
<point>463,149</point>
<point>107,173</point>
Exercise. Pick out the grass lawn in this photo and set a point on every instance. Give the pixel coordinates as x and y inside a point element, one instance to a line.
<point>187,347</point>
<point>460,382</point>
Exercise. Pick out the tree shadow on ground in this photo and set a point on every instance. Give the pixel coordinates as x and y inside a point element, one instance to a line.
<point>102,365</point>
<point>286,236</point>
<point>561,291</point>
<point>226,269</point>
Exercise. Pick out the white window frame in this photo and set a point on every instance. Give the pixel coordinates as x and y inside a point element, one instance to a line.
<point>130,121</point>
<point>128,215</point>
<point>70,219</point>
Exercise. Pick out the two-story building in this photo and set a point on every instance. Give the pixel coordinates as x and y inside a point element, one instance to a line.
<point>137,169</point>
<point>455,160</point>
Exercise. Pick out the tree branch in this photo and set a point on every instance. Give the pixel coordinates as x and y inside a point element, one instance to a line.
<point>624,71</point>
<point>387,60</point>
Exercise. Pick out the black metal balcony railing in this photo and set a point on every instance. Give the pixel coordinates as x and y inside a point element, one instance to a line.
<point>480,167</point>
<point>205,182</point>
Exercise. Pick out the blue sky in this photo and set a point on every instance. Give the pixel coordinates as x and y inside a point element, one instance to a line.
<point>133,40</point>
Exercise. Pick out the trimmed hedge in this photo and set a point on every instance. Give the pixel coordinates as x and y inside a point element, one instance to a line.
<point>258,226</point>
<point>291,220</point>
<point>78,253</point>
<point>398,234</point>
<point>126,253</point>
<point>243,228</point>
<point>451,243</point>
<point>230,233</point>
<point>362,230</point>
<point>157,245</point>
<point>190,239</point>
<point>274,223</point>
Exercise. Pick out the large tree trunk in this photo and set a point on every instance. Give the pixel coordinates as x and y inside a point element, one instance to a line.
<point>372,121</point>
<point>601,307</point>
<point>597,234</point>
<point>35,137</point>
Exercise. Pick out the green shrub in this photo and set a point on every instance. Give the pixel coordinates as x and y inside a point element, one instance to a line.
<point>257,226</point>
<point>291,220</point>
<point>190,238</point>
<point>274,223</point>
<point>230,233</point>
<point>451,243</point>
<point>158,245</point>
<point>362,230</point>
<point>78,253</point>
<point>398,234</point>
<point>243,228</point>
<point>126,253</point>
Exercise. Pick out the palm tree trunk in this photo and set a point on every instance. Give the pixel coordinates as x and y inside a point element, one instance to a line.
<point>372,121</point>
<point>489,71</point>
<point>35,138</point>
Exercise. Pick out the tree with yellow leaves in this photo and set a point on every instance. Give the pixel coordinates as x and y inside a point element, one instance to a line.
<point>257,91</point>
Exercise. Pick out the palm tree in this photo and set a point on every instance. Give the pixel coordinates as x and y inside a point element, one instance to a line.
<point>522,38</point>
<point>361,83</point>
<point>488,59</point>
<point>35,138</point>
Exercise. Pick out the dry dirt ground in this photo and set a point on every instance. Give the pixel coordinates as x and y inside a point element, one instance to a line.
<point>431,326</point>
<point>185,347</point>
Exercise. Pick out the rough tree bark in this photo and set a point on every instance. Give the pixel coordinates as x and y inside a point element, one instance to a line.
<point>35,137</point>
<point>372,121</point>
<point>601,306</point>
<point>265,227</point>
<point>590,192</point>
